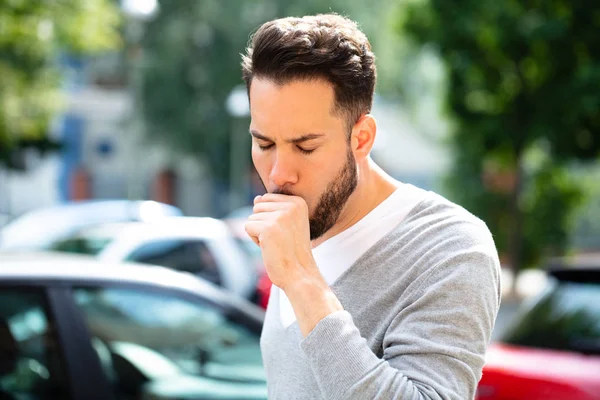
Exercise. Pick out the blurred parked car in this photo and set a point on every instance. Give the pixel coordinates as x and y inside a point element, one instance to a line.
<point>552,350</point>
<point>202,246</point>
<point>73,327</point>
<point>36,229</point>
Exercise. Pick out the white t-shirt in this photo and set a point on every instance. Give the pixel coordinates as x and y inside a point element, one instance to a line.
<point>337,254</point>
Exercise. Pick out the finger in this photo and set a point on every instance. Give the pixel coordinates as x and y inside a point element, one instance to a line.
<point>274,197</point>
<point>253,229</point>
<point>269,206</point>
<point>263,216</point>
<point>255,240</point>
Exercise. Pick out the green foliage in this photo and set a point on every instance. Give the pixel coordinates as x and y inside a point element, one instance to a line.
<point>550,201</point>
<point>521,76</point>
<point>33,34</point>
<point>191,63</point>
<point>519,71</point>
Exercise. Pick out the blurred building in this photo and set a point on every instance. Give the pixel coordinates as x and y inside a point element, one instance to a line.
<point>104,155</point>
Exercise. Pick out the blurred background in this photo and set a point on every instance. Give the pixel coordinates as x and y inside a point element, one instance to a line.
<point>116,113</point>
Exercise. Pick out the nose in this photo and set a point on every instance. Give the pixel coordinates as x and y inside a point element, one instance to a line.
<point>283,173</point>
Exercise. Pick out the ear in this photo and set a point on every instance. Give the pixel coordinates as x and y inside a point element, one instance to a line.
<point>363,136</point>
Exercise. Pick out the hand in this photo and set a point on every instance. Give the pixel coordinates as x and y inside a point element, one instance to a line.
<point>280,226</point>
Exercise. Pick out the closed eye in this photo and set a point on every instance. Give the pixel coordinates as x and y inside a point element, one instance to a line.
<point>265,147</point>
<point>305,151</point>
<point>301,149</point>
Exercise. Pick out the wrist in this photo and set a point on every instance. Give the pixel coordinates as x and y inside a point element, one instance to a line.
<point>312,300</point>
<point>305,286</point>
<point>304,277</point>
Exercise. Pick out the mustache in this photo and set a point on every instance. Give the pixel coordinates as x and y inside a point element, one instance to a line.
<point>283,191</point>
<point>278,190</point>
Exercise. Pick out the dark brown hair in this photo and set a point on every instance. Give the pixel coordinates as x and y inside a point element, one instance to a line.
<point>325,46</point>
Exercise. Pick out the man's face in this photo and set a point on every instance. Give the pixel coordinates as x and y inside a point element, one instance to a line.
<point>300,147</point>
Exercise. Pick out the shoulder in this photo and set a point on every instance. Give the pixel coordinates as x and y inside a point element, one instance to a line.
<point>436,238</point>
<point>438,234</point>
<point>453,245</point>
<point>440,223</point>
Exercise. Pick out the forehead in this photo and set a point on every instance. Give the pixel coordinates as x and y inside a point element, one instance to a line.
<point>300,106</point>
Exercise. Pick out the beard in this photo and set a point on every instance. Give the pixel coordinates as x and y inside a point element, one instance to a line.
<point>333,199</point>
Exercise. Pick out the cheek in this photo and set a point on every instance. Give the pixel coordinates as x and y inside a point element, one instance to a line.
<point>316,183</point>
<point>261,162</point>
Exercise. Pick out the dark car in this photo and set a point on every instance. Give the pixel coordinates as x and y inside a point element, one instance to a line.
<point>552,350</point>
<point>74,328</point>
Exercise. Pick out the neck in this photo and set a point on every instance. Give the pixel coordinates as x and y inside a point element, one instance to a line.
<point>374,186</point>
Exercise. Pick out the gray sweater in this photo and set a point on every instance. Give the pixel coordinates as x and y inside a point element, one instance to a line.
<point>420,306</point>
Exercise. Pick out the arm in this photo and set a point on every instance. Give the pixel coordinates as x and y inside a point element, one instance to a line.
<point>434,349</point>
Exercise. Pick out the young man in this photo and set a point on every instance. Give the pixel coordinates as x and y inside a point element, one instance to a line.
<point>382,290</point>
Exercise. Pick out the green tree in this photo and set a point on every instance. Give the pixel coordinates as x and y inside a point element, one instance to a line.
<point>190,65</point>
<point>523,79</point>
<point>33,34</point>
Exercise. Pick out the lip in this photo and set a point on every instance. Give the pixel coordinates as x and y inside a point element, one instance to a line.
<point>283,192</point>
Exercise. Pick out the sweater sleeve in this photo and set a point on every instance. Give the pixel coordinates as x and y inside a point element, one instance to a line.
<point>434,347</point>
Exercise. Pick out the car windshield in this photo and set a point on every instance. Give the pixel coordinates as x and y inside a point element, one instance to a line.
<point>565,317</point>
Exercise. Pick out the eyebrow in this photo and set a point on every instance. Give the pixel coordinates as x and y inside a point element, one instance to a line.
<point>303,138</point>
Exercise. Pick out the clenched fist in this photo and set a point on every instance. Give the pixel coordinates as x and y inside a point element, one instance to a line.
<point>280,226</point>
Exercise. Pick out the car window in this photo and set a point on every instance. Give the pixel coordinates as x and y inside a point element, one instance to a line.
<point>566,317</point>
<point>183,255</point>
<point>31,361</point>
<point>81,245</point>
<point>155,345</point>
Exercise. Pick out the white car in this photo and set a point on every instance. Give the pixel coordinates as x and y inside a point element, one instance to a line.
<point>201,246</point>
<point>37,229</point>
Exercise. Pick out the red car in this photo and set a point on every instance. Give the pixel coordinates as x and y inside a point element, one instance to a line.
<point>552,350</point>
